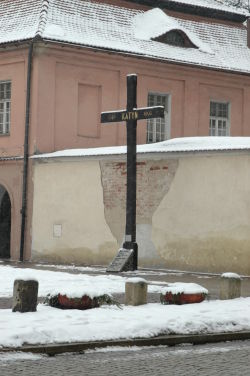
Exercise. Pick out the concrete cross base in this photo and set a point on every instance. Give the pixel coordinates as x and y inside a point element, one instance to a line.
<point>230,286</point>
<point>136,291</point>
<point>25,296</point>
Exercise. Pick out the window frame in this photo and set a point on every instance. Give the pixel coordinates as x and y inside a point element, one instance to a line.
<point>6,111</point>
<point>217,119</point>
<point>167,118</point>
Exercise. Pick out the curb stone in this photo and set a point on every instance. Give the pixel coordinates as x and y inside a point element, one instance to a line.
<point>169,340</point>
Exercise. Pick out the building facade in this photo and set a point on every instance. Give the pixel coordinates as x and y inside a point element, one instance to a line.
<point>64,62</point>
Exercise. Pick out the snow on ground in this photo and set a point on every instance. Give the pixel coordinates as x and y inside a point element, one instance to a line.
<point>17,356</point>
<point>77,285</point>
<point>52,325</point>
<point>102,269</point>
<point>51,282</point>
<point>183,349</point>
<point>85,269</point>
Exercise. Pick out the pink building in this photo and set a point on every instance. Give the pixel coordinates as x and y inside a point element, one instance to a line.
<point>65,61</point>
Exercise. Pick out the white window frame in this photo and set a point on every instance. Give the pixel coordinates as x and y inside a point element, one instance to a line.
<point>219,120</point>
<point>159,122</point>
<point>5,110</point>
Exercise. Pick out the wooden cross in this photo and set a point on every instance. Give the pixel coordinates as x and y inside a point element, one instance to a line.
<point>131,115</point>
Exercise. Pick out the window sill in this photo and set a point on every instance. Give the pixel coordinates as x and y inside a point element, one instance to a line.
<point>4,134</point>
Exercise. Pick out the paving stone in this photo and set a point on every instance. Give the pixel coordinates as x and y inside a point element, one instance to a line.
<point>226,359</point>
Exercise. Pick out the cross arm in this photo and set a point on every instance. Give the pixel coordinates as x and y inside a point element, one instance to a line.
<point>135,114</point>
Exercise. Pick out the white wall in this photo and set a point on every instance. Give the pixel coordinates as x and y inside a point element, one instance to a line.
<point>201,221</point>
<point>70,195</point>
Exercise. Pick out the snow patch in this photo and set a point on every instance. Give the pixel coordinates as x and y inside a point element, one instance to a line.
<point>91,292</point>
<point>110,322</point>
<point>231,275</point>
<point>185,288</point>
<point>85,269</point>
<point>155,22</point>
<point>174,145</point>
<point>17,356</point>
<point>74,285</point>
<point>136,280</point>
<point>122,348</point>
<point>55,31</point>
<point>27,277</point>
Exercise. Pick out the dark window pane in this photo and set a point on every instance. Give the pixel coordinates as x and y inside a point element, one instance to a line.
<point>212,109</point>
<point>174,38</point>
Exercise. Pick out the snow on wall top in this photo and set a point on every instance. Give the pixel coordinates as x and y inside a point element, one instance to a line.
<point>175,145</point>
<point>96,24</point>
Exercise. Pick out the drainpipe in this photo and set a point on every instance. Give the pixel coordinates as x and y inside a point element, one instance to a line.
<point>248,32</point>
<point>26,151</point>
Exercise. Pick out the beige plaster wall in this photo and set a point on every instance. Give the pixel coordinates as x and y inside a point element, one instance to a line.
<point>203,223</point>
<point>70,195</point>
<point>193,211</point>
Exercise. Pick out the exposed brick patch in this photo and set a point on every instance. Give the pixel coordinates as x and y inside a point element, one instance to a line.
<point>120,164</point>
<point>155,168</point>
<point>151,188</point>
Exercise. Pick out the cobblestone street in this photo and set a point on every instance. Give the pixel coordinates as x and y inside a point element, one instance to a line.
<point>223,359</point>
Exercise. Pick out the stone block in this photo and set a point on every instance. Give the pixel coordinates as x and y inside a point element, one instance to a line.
<point>25,295</point>
<point>230,286</point>
<point>136,291</point>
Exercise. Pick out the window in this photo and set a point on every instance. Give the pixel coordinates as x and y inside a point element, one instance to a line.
<point>219,119</point>
<point>175,38</point>
<point>5,97</point>
<point>158,129</point>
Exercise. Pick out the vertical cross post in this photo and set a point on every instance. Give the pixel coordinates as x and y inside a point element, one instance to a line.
<point>127,257</point>
<point>130,232</point>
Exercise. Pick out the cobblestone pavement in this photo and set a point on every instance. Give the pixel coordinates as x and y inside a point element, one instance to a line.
<point>226,359</point>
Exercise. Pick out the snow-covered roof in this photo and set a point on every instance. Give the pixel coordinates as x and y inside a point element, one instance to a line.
<point>221,5</point>
<point>155,22</point>
<point>96,24</point>
<point>175,145</point>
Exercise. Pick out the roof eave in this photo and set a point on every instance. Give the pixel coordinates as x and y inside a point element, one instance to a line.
<point>21,42</point>
<point>143,56</point>
<point>194,10</point>
<point>38,38</point>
